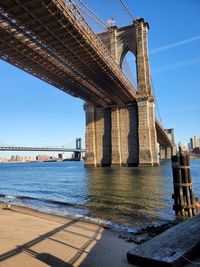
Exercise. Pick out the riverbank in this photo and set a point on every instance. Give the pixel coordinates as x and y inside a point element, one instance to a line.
<point>31,238</point>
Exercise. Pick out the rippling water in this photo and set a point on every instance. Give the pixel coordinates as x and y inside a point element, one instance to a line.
<point>133,197</point>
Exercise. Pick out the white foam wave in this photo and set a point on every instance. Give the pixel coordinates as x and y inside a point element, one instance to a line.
<point>10,196</point>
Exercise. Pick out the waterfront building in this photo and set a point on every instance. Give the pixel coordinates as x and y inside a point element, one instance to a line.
<point>3,160</point>
<point>44,158</point>
<point>12,158</point>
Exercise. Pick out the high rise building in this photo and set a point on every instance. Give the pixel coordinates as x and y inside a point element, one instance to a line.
<point>195,142</point>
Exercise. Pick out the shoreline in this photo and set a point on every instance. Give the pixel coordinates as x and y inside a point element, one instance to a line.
<point>121,228</point>
<point>41,238</point>
<point>115,226</point>
<point>34,238</point>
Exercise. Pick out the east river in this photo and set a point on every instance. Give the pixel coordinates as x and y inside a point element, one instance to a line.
<point>122,197</point>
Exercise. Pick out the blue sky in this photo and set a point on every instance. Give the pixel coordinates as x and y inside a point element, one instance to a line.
<point>35,113</point>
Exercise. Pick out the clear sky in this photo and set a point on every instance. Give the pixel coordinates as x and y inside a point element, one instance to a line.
<point>36,114</point>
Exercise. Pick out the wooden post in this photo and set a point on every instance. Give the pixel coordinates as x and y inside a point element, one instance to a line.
<point>184,202</point>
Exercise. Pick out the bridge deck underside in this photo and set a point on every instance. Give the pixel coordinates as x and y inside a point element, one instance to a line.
<point>49,39</point>
<point>46,39</point>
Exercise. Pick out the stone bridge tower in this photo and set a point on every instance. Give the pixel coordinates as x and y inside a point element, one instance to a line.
<point>124,135</point>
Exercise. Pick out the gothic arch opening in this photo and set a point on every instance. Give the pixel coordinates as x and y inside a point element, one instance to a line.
<point>128,66</point>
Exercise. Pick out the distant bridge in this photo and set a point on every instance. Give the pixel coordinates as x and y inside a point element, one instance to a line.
<point>78,148</point>
<point>51,149</point>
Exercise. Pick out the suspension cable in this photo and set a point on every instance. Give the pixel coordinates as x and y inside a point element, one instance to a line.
<point>89,15</point>
<point>128,72</point>
<point>156,102</point>
<point>76,6</point>
<point>127,9</point>
<point>128,40</point>
<point>94,14</point>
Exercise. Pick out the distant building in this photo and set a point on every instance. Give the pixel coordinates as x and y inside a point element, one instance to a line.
<point>12,158</point>
<point>189,145</point>
<point>196,150</point>
<point>3,160</point>
<point>195,142</point>
<point>45,158</point>
<point>16,158</point>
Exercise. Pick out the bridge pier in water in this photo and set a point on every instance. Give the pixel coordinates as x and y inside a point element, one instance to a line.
<point>121,135</point>
<point>165,152</point>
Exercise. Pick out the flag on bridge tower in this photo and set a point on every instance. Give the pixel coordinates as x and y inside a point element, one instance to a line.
<point>111,21</point>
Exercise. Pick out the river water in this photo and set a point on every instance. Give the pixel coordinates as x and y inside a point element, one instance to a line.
<point>123,197</point>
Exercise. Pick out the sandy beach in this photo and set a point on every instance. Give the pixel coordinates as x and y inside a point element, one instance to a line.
<point>31,238</point>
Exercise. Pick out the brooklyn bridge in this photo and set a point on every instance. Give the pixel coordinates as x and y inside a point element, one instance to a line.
<point>50,39</point>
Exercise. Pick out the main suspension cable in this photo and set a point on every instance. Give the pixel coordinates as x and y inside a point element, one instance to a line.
<point>127,9</point>
<point>97,18</point>
<point>89,15</point>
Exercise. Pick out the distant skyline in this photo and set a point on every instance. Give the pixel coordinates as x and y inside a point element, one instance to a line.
<point>34,113</point>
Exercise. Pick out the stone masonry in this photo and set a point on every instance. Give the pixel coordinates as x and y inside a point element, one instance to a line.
<point>111,136</point>
<point>98,136</point>
<point>125,135</point>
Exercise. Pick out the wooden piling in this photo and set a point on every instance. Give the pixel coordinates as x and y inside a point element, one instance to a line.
<point>184,202</point>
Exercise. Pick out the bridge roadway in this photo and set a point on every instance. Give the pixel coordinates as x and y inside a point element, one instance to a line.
<point>51,149</point>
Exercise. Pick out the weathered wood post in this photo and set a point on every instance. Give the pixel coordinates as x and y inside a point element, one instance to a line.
<point>184,202</point>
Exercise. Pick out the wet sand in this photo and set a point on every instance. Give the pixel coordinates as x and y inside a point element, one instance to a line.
<point>31,238</point>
